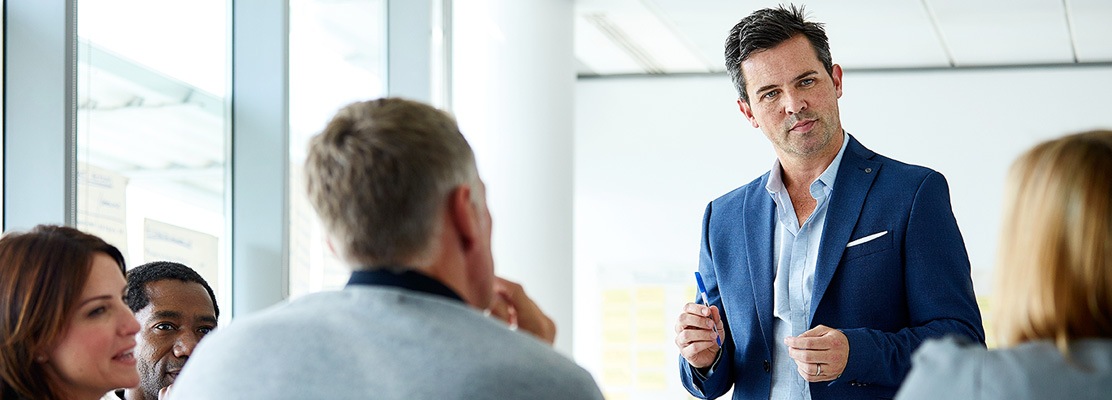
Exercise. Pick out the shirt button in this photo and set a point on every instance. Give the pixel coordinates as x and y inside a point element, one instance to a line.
<point>768,366</point>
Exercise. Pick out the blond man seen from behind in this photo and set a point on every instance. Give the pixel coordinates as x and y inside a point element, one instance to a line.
<point>396,186</point>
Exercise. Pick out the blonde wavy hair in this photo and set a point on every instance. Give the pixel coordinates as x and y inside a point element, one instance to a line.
<point>1054,271</point>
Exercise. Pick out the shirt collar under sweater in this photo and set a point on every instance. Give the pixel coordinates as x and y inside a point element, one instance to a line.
<point>402,278</point>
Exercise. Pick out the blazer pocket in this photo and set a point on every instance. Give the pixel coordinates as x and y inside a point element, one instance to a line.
<point>868,244</point>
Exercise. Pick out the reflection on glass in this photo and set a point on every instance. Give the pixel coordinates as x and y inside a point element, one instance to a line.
<point>336,58</point>
<point>151,131</point>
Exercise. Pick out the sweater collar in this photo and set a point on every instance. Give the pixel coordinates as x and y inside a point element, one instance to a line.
<point>404,278</point>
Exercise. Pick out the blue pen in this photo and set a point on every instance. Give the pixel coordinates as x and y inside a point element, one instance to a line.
<point>703,294</point>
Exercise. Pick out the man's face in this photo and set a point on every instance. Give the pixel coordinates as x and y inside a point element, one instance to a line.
<point>793,99</point>
<point>178,316</point>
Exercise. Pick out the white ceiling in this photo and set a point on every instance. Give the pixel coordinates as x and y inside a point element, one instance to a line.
<point>614,37</point>
<point>160,129</point>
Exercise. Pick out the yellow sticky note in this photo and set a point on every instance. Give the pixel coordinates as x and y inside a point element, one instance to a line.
<point>611,395</point>
<point>651,379</point>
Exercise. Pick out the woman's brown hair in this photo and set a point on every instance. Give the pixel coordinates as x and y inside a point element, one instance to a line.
<point>42,275</point>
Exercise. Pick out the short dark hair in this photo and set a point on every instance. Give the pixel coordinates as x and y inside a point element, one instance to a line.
<point>767,28</point>
<point>138,278</point>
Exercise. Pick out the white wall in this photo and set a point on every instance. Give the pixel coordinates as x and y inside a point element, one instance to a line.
<point>651,152</point>
<point>513,82</point>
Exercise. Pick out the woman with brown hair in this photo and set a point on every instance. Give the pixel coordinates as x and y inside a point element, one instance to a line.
<point>64,328</point>
<point>1053,297</point>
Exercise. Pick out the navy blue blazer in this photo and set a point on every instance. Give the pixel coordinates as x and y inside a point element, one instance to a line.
<point>887,295</point>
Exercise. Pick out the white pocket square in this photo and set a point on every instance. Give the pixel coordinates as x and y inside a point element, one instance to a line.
<point>866,239</point>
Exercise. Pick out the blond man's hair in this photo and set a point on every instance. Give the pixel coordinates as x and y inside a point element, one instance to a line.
<point>1054,268</point>
<point>379,174</point>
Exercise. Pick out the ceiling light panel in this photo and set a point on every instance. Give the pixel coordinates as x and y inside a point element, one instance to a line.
<point>881,34</point>
<point>1092,29</point>
<point>638,29</point>
<point>600,54</point>
<point>863,33</point>
<point>705,24</point>
<point>1003,32</point>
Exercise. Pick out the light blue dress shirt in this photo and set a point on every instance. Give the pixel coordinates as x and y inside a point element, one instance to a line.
<point>796,255</point>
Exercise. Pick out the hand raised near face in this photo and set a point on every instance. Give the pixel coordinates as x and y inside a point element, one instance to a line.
<point>512,305</point>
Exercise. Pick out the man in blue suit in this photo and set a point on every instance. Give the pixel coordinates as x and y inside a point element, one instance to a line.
<point>824,274</point>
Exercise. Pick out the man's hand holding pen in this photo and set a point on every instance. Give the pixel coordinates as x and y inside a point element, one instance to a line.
<point>697,334</point>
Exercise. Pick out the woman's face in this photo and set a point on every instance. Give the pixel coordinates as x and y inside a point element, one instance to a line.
<point>94,355</point>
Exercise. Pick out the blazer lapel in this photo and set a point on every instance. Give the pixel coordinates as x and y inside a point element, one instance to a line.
<point>760,216</point>
<point>855,177</point>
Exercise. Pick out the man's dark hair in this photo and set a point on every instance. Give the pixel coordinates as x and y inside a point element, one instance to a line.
<point>138,278</point>
<point>767,28</point>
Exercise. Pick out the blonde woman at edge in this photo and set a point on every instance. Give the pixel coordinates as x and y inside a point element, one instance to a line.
<point>1054,287</point>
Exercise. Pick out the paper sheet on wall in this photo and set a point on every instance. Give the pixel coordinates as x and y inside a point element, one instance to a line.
<point>102,205</point>
<point>197,250</point>
<point>636,335</point>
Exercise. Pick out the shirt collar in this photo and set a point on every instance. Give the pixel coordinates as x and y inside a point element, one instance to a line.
<point>775,181</point>
<point>831,173</point>
<point>820,186</point>
<point>402,278</point>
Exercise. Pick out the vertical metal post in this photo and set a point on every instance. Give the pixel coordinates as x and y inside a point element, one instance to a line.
<point>40,109</point>
<point>259,158</point>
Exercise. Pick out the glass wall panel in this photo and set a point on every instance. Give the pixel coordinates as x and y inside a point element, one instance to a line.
<point>336,58</point>
<point>151,131</point>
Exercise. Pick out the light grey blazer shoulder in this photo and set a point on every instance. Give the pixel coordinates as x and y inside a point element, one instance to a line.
<point>946,369</point>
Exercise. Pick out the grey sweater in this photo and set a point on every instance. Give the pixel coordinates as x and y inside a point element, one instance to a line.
<point>373,342</point>
<point>944,369</point>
